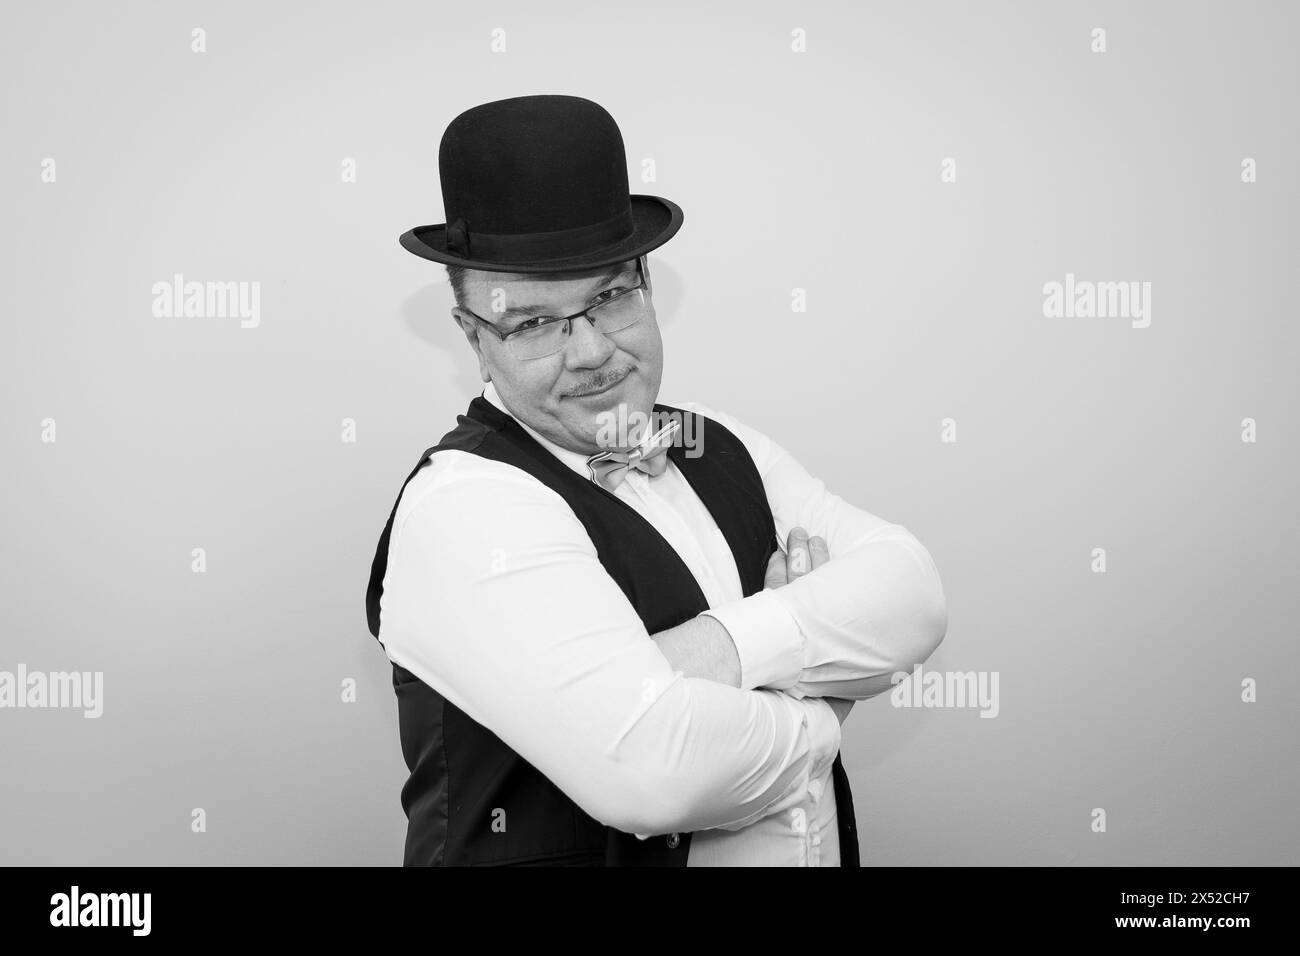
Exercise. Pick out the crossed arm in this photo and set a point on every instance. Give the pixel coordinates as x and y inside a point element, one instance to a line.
<point>849,601</point>
<point>702,647</point>
<point>642,734</point>
<point>482,560</point>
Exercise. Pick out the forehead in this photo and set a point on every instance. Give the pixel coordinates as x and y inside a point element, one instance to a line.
<point>519,288</point>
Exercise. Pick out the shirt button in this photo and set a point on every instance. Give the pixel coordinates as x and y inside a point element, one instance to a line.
<point>674,839</point>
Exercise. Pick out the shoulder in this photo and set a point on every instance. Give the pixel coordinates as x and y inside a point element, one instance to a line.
<point>461,490</point>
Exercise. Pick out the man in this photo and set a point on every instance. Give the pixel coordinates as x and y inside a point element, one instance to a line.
<point>614,644</point>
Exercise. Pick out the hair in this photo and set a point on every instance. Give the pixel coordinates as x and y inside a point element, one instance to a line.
<point>456,277</point>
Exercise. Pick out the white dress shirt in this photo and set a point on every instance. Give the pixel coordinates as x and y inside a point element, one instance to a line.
<point>495,597</point>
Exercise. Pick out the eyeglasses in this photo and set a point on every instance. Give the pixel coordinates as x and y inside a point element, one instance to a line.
<point>624,303</point>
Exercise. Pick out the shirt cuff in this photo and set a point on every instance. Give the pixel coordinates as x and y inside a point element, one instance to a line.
<point>767,638</point>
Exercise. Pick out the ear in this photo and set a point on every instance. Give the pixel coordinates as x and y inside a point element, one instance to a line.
<point>471,330</point>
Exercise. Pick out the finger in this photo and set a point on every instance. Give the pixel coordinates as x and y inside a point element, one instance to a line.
<point>776,576</point>
<point>797,553</point>
<point>819,551</point>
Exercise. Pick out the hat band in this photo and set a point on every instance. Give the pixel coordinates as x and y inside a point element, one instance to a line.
<point>537,246</point>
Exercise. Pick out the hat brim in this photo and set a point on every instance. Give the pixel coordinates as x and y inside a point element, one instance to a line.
<point>656,220</point>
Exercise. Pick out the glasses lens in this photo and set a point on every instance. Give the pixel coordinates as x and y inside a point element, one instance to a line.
<point>614,314</point>
<point>619,311</point>
<point>539,342</point>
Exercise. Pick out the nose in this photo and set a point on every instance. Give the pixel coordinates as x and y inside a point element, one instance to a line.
<point>587,348</point>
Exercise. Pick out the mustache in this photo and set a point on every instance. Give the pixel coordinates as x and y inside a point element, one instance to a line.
<point>596,384</point>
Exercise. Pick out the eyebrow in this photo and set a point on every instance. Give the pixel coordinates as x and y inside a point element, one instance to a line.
<point>531,311</point>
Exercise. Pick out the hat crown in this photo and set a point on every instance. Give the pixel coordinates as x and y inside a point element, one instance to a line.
<point>533,164</point>
<point>539,184</point>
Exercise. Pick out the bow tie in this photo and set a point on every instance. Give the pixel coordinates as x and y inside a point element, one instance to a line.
<point>609,468</point>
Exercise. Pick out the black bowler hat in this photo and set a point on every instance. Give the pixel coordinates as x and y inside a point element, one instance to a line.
<point>538,184</point>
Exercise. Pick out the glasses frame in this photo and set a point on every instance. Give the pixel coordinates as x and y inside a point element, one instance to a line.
<point>643,282</point>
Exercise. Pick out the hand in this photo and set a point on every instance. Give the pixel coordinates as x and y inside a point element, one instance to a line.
<point>801,555</point>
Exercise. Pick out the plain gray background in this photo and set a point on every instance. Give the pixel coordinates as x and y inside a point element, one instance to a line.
<point>817,171</point>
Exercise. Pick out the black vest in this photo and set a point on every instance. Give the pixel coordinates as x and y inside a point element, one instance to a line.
<point>461,771</point>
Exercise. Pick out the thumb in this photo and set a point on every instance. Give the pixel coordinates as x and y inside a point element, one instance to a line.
<point>776,574</point>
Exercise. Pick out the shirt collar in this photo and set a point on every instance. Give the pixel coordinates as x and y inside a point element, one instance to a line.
<point>575,460</point>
